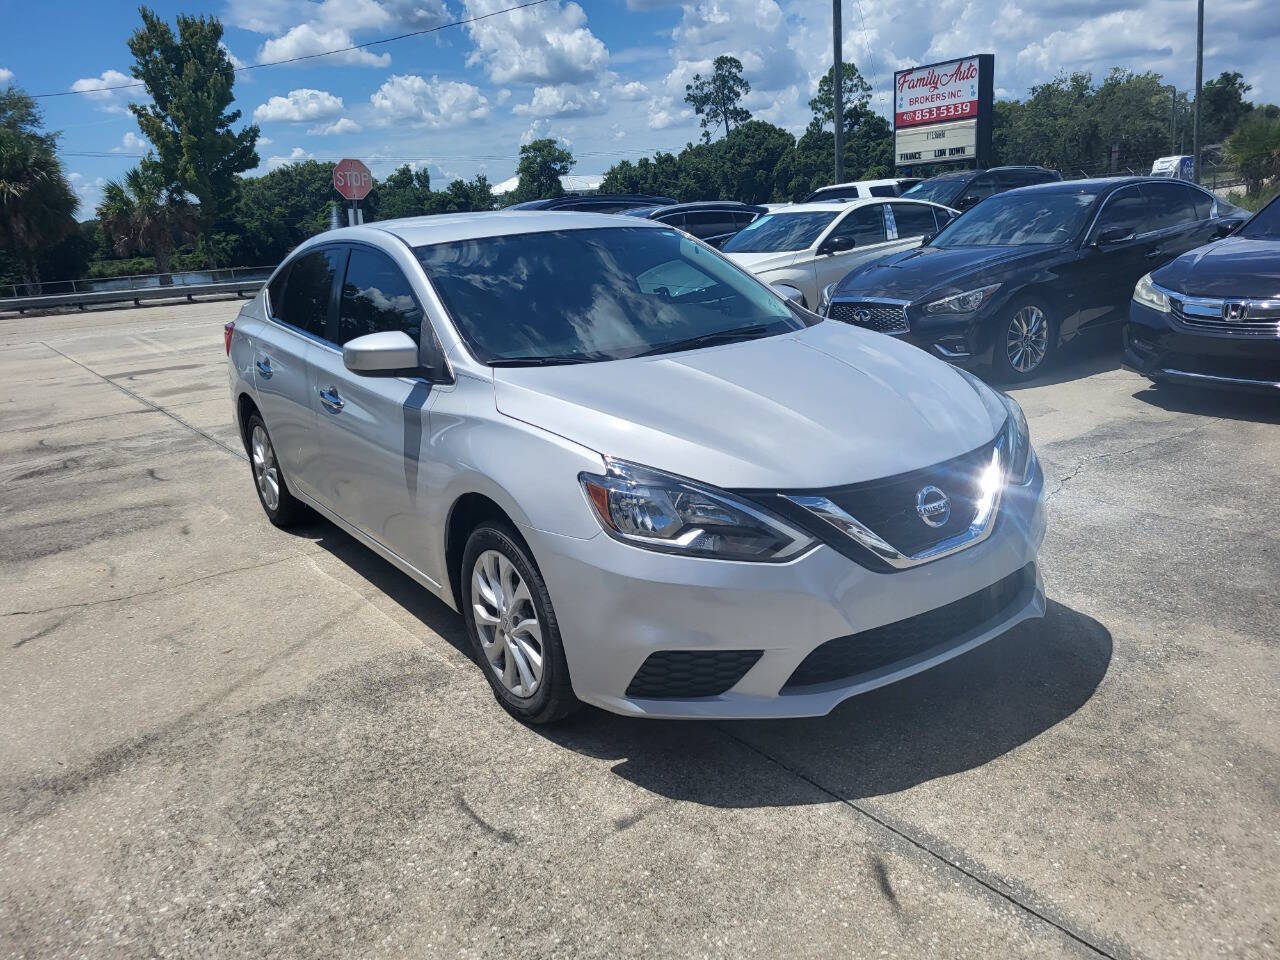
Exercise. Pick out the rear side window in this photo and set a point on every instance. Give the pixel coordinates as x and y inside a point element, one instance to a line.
<point>865,225</point>
<point>376,297</point>
<point>1201,202</point>
<point>913,219</point>
<point>673,219</point>
<point>1170,205</point>
<point>883,190</point>
<point>709,223</point>
<point>275,291</point>
<point>305,301</point>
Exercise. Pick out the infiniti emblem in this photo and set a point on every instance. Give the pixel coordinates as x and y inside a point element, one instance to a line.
<point>933,506</point>
<point>1233,310</point>
<point>862,316</point>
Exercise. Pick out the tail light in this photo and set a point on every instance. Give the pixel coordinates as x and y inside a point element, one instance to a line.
<point>227,330</point>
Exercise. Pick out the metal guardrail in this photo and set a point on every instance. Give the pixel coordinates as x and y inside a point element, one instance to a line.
<point>229,281</point>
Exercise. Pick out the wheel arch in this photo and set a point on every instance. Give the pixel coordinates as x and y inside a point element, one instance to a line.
<point>245,408</point>
<point>466,513</point>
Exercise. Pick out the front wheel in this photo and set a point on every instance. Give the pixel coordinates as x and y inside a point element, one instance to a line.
<point>513,627</point>
<point>1024,341</point>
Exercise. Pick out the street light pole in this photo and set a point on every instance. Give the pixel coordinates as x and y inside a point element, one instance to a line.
<point>1195,123</point>
<point>837,88</point>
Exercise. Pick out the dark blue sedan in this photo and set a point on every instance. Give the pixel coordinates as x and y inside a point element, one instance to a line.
<point>1212,316</point>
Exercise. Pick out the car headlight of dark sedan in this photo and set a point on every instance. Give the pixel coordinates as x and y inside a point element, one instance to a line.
<point>659,511</point>
<point>966,302</point>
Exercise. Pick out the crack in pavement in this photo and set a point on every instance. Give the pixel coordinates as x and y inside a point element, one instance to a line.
<point>143,400</point>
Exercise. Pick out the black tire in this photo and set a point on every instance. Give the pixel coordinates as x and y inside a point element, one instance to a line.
<point>1007,365</point>
<point>552,699</point>
<point>288,510</point>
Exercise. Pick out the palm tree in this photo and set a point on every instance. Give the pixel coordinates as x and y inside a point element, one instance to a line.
<point>37,204</point>
<point>144,214</point>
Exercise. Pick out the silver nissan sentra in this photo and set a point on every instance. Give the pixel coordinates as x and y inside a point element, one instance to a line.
<point>646,480</point>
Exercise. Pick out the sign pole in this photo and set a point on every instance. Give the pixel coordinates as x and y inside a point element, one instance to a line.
<point>1195,124</point>
<point>837,88</point>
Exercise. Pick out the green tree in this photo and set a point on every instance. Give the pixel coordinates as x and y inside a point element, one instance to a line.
<point>542,163</point>
<point>1055,126</point>
<point>145,214</point>
<point>715,98</point>
<point>1254,149</point>
<point>1223,106</point>
<point>190,78</point>
<point>855,96</point>
<point>1132,110</point>
<point>278,210</point>
<point>404,193</point>
<point>37,204</point>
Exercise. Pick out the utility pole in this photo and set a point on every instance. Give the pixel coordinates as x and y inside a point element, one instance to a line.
<point>1195,123</point>
<point>837,88</point>
<point>1173,119</point>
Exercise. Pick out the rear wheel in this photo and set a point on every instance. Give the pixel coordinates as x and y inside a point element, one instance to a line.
<point>280,506</point>
<point>513,627</point>
<point>1024,341</point>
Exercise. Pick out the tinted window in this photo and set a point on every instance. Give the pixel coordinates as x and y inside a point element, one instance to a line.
<point>1265,224</point>
<point>913,219</point>
<point>1125,210</point>
<point>1170,206</point>
<point>305,303</point>
<point>275,291</point>
<point>673,219</point>
<point>1017,218</point>
<point>633,289</point>
<point>982,186</point>
<point>740,220</point>
<point>375,298</point>
<point>709,223</point>
<point>884,190</point>
<point>941,190</point>
<point>1202,202</point>
<point>833,193</point>
<point>778,232</point>
<point>865,225</point>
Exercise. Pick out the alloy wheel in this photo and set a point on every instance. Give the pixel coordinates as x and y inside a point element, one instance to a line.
<point>265,470</point>
<point>1028,339</point>
<point>507,622</point>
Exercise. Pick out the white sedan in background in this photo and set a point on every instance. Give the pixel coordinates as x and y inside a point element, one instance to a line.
<point>803,248</point>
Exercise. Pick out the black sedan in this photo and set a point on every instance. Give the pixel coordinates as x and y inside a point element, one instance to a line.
<point>1023,272</point>
<point>712,220</point>
<point>1212,316</point>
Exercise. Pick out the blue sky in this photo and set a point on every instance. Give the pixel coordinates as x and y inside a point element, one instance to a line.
<point>606,76</point>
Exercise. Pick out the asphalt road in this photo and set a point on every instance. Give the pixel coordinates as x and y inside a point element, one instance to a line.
<point>220,739</point>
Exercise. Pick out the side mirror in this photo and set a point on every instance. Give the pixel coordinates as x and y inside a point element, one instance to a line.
<point>836,245</point>
<point>392,353</point>
<point>927,239</point>
<point>964,203</point>
<point>1114,235</point>
<point>1225,228</point>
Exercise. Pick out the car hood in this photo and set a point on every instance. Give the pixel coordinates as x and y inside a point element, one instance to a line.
<point>1234,267</point>
<point>916,274</point>
<point>825,406</point>
<point>761,262</point>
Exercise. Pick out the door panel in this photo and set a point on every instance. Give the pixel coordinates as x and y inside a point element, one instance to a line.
<point>1112,271</point>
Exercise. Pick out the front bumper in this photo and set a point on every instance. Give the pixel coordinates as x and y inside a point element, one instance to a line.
<point>1156,348</point>
<point>617,604</point>
<point>962,339</point>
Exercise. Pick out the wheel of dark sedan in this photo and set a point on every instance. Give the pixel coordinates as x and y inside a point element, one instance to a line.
<point>281,507</point>
<point>1024,341</point>
<point>513,627</point>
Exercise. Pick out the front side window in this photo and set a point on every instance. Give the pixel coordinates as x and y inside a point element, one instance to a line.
<point>1170,206</point>
<point>572,296</point>
<point>780,232</point>
<point>941,189</point>
<point>865,225</point>
<point>305,301</point>
<point>1126,210</point>
<point>1020,218</point>
<point>913,219</point>
<point>709,223</point>
<point>376,297</point>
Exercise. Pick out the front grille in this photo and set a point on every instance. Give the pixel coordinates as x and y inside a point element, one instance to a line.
<point>682,674</point>
<point>852,656</point>
<point>1239,318</point>
<point>880,317</point>
<point>888,506</point>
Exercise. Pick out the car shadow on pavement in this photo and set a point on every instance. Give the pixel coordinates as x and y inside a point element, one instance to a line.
<point>1208,402</point>
<point>1097,351</point>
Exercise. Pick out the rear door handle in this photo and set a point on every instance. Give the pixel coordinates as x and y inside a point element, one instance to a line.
<point>264,367</point>
<point>329,397</point>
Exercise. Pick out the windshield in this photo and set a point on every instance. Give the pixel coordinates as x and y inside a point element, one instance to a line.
<point>1265,224</point>
<point>1019,219</point>
<point>571,296</point>
<point>780,232</point>
<point>939,189</point>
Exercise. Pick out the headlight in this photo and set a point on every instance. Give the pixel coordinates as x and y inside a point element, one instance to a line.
<point>1017,441</point>
<point>825,300</point>
<point>966,302</point>
<point>658,511</point>
<point>1147,294</point>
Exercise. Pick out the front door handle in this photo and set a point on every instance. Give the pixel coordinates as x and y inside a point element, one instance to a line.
<point>264,367</point>
<point>329,397</point>
<point>1153,254</point>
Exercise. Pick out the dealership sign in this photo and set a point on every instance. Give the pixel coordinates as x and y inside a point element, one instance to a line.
<point>942,111</point>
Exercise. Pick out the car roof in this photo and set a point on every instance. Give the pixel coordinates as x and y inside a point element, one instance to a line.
<point>1094,184</point>
<point>863,183</point>
<point>448,227</point>
<point>831,206</point>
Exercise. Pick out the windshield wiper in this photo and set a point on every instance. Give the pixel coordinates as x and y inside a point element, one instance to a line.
<point>552,360</point>
<point>707,340</point>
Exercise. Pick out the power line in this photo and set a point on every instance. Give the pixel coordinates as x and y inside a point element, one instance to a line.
<point>312,56</point>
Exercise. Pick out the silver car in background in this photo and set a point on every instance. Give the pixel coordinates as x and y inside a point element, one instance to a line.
<point>646,480</point>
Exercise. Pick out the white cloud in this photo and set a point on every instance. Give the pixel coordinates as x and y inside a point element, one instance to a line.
<point>563,101</point>
<point>299,106</point>
<point>265,141</point>
<point>635,90</point>
<point>6,77</point>
<point>431,103</point>
<point>131,143</point>
<point>307,39</point>
<point>111,101</point>
<point>340,126</point>
<point>547,44</point>
<point>88,191</point>
<point>235,61</point>
<point>295,155</point>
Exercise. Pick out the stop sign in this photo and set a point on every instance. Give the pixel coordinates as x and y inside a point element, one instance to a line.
<point>352,179</point>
